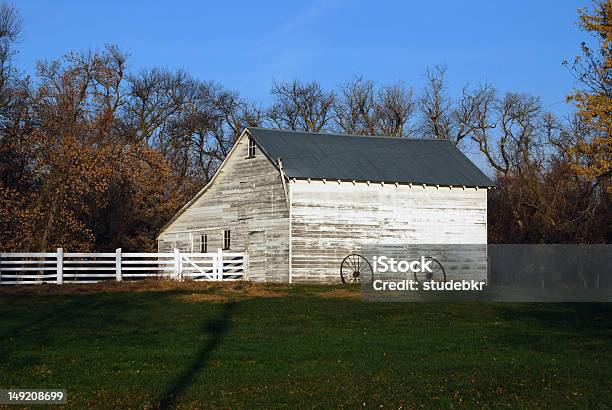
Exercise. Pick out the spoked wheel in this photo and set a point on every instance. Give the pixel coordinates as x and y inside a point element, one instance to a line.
<point>437,274</point>
<point>355,269</point>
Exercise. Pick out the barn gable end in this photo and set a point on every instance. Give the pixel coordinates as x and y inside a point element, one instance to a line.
<point>246,198</point>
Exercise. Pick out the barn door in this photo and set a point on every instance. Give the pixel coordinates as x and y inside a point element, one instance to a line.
<point>256,252</point>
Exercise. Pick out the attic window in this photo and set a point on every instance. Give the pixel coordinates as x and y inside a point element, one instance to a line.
<point>251,153</point>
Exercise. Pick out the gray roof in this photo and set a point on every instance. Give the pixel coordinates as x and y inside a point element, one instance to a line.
<point>361,158</point>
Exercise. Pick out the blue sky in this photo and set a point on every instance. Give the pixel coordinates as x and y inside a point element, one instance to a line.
<point>517,45</point>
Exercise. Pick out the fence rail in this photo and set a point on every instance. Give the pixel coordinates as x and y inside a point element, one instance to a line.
<point>22,268</point>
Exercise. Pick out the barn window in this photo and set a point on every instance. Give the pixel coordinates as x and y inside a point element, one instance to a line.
<point>251,148</point>
<point>203,243</point>
<point>226,239</point>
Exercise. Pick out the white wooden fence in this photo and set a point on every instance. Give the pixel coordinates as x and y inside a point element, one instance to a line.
<point>59,267</point>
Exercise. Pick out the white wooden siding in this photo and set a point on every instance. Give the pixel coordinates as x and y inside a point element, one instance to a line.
<point>247,197</point>
<point>330,220</point>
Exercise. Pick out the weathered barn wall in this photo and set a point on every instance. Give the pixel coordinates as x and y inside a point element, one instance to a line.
<point>247,197</point>
<point>330,220</point>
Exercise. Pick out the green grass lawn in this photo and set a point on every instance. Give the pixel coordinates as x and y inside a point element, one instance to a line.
<point>304,346</point>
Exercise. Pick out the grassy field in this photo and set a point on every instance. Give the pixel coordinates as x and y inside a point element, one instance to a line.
<point>244,346</point>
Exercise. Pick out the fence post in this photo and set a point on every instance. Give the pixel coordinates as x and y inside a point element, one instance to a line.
<point>245,266</point>
<point>220,264</point>
<point>177,263</point>
<point>118,265</point>
<point>215,265</point>
<point>60,266</point>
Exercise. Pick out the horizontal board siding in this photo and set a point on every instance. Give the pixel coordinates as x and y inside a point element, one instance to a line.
<point>331,220</point>
<point>247,196</point>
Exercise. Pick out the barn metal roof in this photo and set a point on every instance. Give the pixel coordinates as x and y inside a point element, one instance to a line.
<point>362,158</point>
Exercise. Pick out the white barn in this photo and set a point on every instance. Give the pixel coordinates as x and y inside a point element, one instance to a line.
<point>299,202</point>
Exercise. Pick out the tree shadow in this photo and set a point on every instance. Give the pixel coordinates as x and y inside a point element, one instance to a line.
<point>216,330</point>
<point>574,316</point>
<point>38,324</point>
<point>579,324</point>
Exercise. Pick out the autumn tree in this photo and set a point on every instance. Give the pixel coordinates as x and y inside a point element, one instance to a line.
<point>96,157</point>
<point>93,156</point>
<point>593,98</point>
<point>538,197</point>
<point>70,160</point>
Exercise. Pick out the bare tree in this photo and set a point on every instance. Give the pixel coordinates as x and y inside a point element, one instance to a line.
<point>361,109</point>
<point>10,28</point>
<point>156,96</point>
<point>355,107</point>
<point>472,112</point>
<point>518,144</point>
<point>206,129</point>
<point>394,110</point>
<point>435,106</point>
<point>444,118</point>
<point>301,106</point>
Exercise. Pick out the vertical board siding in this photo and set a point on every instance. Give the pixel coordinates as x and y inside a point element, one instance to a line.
<point>247,197</point>
<point>332,220</point>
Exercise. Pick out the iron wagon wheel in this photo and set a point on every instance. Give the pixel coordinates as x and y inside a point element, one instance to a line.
<point>355,269</point>
<point>437,274</point>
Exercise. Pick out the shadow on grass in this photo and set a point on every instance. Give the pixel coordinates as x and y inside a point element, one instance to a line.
<point>579,325</point>
<point>571,316</point>
<point>46,316</point>
<point>216,330</point>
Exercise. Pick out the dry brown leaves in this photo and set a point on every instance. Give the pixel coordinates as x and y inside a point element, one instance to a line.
<point>190,291</point>
<point>201,291</point>
<point>341,293</point>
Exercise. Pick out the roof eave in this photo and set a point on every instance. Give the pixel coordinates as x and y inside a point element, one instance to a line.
<point>390,182</point>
